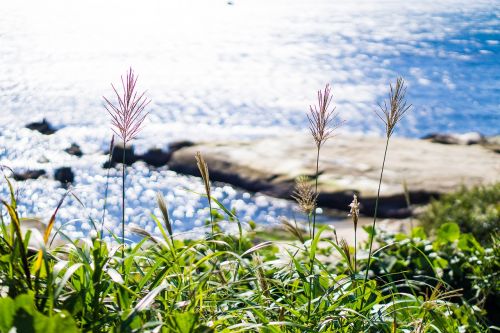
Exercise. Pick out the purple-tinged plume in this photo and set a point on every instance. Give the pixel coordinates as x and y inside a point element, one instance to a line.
<point>127,114</point>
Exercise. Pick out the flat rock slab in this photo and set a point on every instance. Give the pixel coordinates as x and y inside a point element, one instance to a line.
<point>348,165</point>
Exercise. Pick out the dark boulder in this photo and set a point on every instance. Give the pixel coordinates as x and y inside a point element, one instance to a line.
<point>471,138</point>
<point>29,174</point>
<point>176,145</point>
<point>43,127</point>
<point>65,175</point>
<point>74,150</point>
<point>130,156</point>
<point>156,157</point>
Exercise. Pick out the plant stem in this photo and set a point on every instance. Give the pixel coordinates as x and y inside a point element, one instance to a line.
<point>316,192</point>
<point>311,281</point>
<point>355,249</point>
<point>372,234</point>
<point>106,191</point>
<point>123,208</point>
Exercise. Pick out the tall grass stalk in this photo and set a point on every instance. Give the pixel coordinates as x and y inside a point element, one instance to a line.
<point>322,124</point>
<point>127,117</point>
<point>323,121</point>
<point>391,114</point>
<point>205,176</point>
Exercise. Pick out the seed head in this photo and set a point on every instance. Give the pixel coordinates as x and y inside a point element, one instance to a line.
<point>354,213</point>
<point>127,115</point>
<point>323,122</point>
<point>305,195</point>
<point>202,166</point>
<point>392,113</point>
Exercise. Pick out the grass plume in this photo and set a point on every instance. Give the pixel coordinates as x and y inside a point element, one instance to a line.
<point>127,116</point>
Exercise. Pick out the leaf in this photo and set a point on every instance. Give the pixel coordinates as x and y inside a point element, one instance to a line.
<point>7,312</point>
<point>184,322</point>
<point>70,271</point>
<point>115,276</point>
<point>448,232</point>
<point>418,232</point>
<point>148,299</point>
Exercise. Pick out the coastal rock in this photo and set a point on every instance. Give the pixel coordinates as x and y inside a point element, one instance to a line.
<point>29,174</point>
<point>65,175</point>
<point>155,157</point>
<point>176,145</point>
<point>348,165</point>
<point>74,150</point>
<point>470,138</point>
<point>117,155</point>
<point>493,143</point>
<point>43,127</point>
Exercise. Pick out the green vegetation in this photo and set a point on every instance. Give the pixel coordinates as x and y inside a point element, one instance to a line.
<point>476,211</point>
<point>224,283</point>
<point>312,282</point>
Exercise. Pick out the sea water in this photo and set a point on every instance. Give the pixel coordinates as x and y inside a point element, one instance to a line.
<point>218,70</point>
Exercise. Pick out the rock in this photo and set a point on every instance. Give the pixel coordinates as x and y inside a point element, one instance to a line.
<point>74,150</point>
<point>30,174</point>
<point>493,143</point>
<point>176,145</point>
<point>65,175</point>
<point>43,127</point>
<point>348,165</point>
<point>155,157</point>
<point>130,156</point>
<point>470,138</point>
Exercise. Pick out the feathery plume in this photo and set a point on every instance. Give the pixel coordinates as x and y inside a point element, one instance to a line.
<point>323,122</point>
<point>305,195</point>
<point>128,114</point>
<point>392,113</point>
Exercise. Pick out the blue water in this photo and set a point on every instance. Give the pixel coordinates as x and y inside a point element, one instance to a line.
<point>218,71</point>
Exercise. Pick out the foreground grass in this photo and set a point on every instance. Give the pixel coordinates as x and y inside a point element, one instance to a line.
<point>226,283</point>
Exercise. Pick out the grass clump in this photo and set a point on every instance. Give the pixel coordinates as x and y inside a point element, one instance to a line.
<point>475,210</point>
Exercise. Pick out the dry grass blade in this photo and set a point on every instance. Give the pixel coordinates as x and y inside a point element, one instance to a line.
<point>202,166</point>
<point>392,113</point>
<point>143,233</point>
<point>293,229</point>
<point>127,115</point>
<point>347,251</point>
<point>46,234</point>
<point>322,121</point>
<point>261,276</point>
<point>164,212</point>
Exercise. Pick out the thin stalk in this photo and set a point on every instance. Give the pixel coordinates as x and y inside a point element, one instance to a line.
<point>355,249</point>
<point>112,148</point>
<point>372,235</point>
<point>311,282</point>
<point>123,208</point>
<point>316,192</point>
<point>211,217</point>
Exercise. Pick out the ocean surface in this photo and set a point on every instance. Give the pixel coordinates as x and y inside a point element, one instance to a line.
<point>217,70</point>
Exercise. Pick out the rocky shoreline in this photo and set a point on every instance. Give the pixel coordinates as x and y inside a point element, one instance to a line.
<point>430,167</point>
<point>348,165</point>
